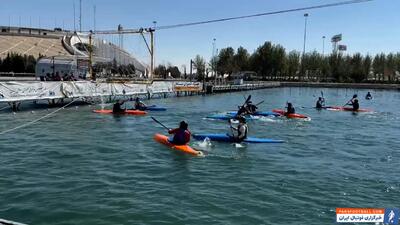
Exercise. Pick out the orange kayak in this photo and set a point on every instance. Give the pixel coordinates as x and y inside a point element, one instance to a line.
<point>291,115</point>
<point>183,148</point>
<point>126,112</point>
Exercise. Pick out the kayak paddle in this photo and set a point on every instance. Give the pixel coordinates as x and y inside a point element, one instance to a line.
<point>323,99</point>
<point>230,125</point>
<point>247,100</point>
<point>348,102</point>
<point>260,103</point>
<point>155,120</point>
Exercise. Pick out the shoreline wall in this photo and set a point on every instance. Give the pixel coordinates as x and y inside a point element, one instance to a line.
<point>14,91</point>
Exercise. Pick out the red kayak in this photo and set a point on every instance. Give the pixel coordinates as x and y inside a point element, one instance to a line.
<point>291,115</point>
<point>126,112</point>
<point>340,108</point>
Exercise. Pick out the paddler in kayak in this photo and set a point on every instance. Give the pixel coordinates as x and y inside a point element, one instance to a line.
<point>117,107</point>
<point>290,109</point>
<point>243,111</point>
<point>241,130</point>
<point>139,105</point>
<point>368,96</point>
<point>181,134</point>
<point>354,102</point>
<point>320,103</point>
<point>248,109</point>
<point>251,109</point>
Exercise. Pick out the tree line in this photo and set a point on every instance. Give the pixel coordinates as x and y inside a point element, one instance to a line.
<point>112,68</point>
<point>167,71</point>
<point>273,62</point>
<point>18,63</point>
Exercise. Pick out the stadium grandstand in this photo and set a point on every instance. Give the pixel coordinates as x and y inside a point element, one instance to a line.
<point>57,48</point>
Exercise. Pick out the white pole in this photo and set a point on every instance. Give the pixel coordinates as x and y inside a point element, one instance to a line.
<point>74,16</point>
<point>80,15</point>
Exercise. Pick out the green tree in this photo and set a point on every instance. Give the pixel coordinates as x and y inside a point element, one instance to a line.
<point>278,61</point>
<point>397,66</point>
<point>225,63</point>
<point>161,70</point>
<point>378,66</point>
<point>241,60</point>
<point>367,62</point>
<point>17,63</point>
<point>357,73</point>
<point>213,64</point>
<point>325,69</point>
<point>312,63</point>
<point>293,63</point>
<point>200,65</point>
<point>174,71</point>
<point>336,65</point>
<point>261,60</point>
<point>390,66</point>
<point>30,63</point>
<point>7,63</point>
<point>132,68</point>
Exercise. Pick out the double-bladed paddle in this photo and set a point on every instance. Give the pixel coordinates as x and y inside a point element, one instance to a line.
<point>155,120</point>
<point>247,100</point>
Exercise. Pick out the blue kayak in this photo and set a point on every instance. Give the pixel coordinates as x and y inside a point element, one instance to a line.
<point>226,138</point>
<point>258,113</point>
<point>226,117</point>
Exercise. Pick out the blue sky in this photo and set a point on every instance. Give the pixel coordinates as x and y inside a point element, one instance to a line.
<point>371,27</point>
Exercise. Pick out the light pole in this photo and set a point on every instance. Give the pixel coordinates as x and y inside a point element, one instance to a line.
<point>305,33</point>
<point>154,24</point>
<point>153,54</point>
<point>213,60</point>
<point>304,44</point>
<point>323,45</point>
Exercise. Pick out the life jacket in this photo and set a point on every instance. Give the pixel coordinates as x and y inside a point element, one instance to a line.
<point>291,110</point>
<point>252,108</point>
<point>117,108</point>
<point>241,111</point>
<point>319,104</point>
<point>245,131</point>
<point>181,137</point>
<point>139,105</point>
<point>356,106</point>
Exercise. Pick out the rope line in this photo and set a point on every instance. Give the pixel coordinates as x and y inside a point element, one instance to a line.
<point>37,120</point>
<point>140,30</point>
<point>263,14</point>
